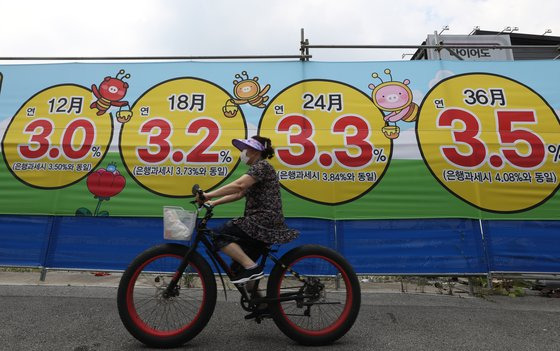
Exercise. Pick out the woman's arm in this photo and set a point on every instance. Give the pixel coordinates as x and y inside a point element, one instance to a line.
<point>226,199</point>
<point>236,188</point>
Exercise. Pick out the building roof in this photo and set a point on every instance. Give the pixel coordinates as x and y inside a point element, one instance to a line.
<point>516,39</point>
<point>523,38</point>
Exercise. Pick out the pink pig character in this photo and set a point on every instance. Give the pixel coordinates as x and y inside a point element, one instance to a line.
<point>394,97</point>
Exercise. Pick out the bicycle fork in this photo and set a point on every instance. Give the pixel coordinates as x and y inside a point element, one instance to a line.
<point>172,290</point>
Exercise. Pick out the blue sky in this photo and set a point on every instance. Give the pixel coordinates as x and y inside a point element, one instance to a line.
<point>219,27</point>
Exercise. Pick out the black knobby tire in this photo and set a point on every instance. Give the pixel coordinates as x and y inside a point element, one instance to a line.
<point>332,314</point>
<point>166,322</point>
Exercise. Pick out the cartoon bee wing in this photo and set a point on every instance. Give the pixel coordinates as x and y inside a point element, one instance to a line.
<point>411,114</point>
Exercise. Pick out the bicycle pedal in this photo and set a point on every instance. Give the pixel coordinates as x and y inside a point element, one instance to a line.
<point>260,318</point>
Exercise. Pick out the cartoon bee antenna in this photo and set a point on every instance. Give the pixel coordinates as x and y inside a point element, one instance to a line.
<point>386,71</point>
<point>126,76</point>
<point>376,76</point>
<point>244,73</point>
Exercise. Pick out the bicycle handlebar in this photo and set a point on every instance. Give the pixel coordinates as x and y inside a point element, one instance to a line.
<point>197,191</point>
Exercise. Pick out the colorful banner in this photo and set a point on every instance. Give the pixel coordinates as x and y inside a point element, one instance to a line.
<point>361,140</point>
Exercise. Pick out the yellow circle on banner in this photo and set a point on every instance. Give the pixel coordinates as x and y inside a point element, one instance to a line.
<point>55,139</point>
<point>179,136</point>
<point>491,141</point>
<point>328,141</point>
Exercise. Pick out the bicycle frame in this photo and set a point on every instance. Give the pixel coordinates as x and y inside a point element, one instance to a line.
<point>202,235</point>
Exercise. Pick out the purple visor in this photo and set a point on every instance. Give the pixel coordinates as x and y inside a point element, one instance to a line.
<point>242,144</point>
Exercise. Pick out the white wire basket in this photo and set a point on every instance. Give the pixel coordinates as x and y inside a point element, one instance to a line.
<point>178,223</point>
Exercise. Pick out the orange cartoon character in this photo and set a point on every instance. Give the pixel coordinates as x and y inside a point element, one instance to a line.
<point>246,90</point>
<point>110,93</point>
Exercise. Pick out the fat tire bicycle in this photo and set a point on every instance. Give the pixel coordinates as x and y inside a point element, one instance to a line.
<point>168,293</point>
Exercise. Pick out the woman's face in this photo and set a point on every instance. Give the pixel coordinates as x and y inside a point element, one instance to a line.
<point>253,155</point>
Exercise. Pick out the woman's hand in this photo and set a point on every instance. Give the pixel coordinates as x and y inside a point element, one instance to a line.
<point>228,193</point>
<point>202,199</point>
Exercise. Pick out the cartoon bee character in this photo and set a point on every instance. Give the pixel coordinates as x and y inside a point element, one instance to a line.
<point>110,93</point>
<point>396,98</point>
<point>246,90</point>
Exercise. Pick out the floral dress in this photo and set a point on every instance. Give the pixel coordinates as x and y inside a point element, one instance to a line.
<point>263,219</point>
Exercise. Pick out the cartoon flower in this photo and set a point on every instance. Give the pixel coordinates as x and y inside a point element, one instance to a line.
<point>106,183</point>
<point>103,184</point>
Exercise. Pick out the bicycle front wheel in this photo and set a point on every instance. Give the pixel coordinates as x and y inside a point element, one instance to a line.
<point>155,317</point>
<point>318,292</point>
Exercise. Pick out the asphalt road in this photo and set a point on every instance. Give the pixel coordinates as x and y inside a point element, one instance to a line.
<point>86,319</point>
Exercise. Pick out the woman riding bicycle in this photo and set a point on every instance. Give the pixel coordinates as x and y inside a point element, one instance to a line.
<point>263,221</point>
<point>312,293</point>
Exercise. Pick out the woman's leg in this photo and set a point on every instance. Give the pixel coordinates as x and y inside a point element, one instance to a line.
<point>235,251</point>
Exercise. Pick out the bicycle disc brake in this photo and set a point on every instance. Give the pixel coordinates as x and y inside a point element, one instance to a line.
<point>245,304</point>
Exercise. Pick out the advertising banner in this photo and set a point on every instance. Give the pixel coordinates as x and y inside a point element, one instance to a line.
<point>359,140</point>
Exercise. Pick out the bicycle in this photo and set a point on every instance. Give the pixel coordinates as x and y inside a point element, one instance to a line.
<point>168,293</point>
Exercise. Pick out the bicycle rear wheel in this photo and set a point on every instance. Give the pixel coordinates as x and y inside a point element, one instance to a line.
<point>166,321</point>
<point>327,295</point>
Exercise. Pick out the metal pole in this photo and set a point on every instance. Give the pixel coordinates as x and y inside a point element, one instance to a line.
<point>489,275</point>
<point>50,231</point>
<point>452,46</point>
<point>303,56</point>
<point>438,44</point>
<point>337,249</point>
<point>149,58</point>
<point>471,287</point>
<point>302,45</point>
